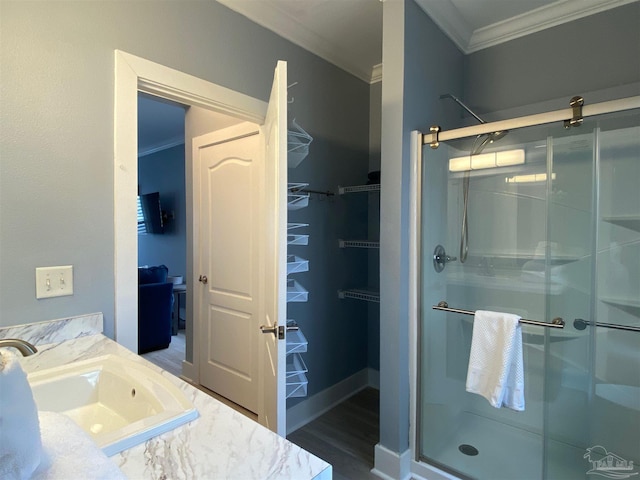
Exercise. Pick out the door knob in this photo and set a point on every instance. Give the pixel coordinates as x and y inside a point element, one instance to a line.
<point>277,331</point>
<point>203,279</point>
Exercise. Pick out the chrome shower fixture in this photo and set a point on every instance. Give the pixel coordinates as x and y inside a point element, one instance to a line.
<point>488,137</point>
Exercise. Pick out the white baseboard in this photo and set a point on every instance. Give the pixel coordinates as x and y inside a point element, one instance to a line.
<point>311,408</point>
<point>188,372</point>
<point>391,465</point>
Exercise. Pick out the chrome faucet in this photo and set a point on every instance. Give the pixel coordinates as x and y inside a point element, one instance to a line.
<point>24,347</point>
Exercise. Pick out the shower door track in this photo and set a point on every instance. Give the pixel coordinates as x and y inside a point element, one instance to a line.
<point>601,108</point>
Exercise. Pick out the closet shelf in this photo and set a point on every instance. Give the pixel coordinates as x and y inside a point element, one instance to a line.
<point>295,365</point>
<point>359,188</point>
<point>632,222</point>
<point>293,226</point>
<point>296,197</point>
<point>297,238</point>
<point>358,294</point>
<point>358,244</point>
<point>296,201</point>
<point>297,385</point>
<point>298,142</point>
<point>296,292</point>
<point>296,342</point>
<point>296,264</point>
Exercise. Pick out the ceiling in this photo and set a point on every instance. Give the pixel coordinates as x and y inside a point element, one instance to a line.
<point>348,33</point>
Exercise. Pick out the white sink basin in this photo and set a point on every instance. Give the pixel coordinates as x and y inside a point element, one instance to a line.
<point>119,402</point>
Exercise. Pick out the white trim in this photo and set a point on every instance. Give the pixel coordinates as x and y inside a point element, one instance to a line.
<point>391,465</point>
<point>313,407</point>
<point>279,21</point>
<point>414,270</point>
<point>189,372</point>
<point>376,74</point>
<point>537,20</point>
<point>164,145</point>
<point>446,16</point>
<point>602,108</point>
<point>134,74</point>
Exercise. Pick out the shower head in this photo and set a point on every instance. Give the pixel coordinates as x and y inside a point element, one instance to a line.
<point>488,137</point>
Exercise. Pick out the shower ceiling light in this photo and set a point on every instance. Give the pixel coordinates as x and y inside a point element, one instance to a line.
<point>531,178</point>
<point>487,160</point>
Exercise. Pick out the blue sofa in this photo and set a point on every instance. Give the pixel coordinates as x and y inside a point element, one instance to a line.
<point>155,305</point>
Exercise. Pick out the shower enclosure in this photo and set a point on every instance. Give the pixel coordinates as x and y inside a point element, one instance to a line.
<point>550,221</point>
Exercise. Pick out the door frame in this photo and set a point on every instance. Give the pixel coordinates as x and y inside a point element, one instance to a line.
<point>132,75</point>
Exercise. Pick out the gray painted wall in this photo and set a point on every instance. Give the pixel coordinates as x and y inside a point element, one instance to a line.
<point>414,78</point>
<point>594,53</point>
<point>164,172</point>
<point>56,174</point>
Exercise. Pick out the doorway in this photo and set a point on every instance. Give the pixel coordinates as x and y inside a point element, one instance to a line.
<point>133,75</point>
<point>163,141</point>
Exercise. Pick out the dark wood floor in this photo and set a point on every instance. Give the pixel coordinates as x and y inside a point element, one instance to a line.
<point>345,436</point>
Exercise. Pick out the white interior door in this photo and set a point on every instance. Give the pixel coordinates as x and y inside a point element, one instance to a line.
<point>272,412</point>
<point>241,227</point>
<point>230,163</point>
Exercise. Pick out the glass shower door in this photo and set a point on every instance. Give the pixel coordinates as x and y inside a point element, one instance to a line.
<point>492,209</point>
<point>554,235</point>
<point>593,382</point>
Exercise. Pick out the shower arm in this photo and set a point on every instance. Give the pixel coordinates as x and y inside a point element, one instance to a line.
<point>459,102</point>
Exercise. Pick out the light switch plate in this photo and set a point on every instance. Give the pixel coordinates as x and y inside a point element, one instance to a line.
<point>54,281</point>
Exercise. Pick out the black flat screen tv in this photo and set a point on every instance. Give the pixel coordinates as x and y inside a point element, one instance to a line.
<point>152,212</point>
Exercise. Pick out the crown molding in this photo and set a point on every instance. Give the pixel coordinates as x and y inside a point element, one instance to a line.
<point>376,74</point>
<point>447,17</point>
<point>158,147</point>
<point>557,13</point>
<point>269,16</point>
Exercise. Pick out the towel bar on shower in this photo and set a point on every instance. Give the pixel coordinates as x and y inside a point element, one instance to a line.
<point>580,324</point>
<point>556,323</point>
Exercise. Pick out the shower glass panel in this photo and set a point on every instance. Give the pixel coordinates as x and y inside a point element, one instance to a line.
<point>593,381</point>
<point>554,235</point>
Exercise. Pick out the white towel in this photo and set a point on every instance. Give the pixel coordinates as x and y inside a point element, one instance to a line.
<point>20,446</point>
<point>496,369</point>
<point>70,454</point>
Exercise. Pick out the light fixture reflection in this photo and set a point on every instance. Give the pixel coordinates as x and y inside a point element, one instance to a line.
<point>487,160</point>
<point>531,178</point>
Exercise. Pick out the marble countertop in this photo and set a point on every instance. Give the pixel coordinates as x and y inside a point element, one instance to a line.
<point>220,444</point>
